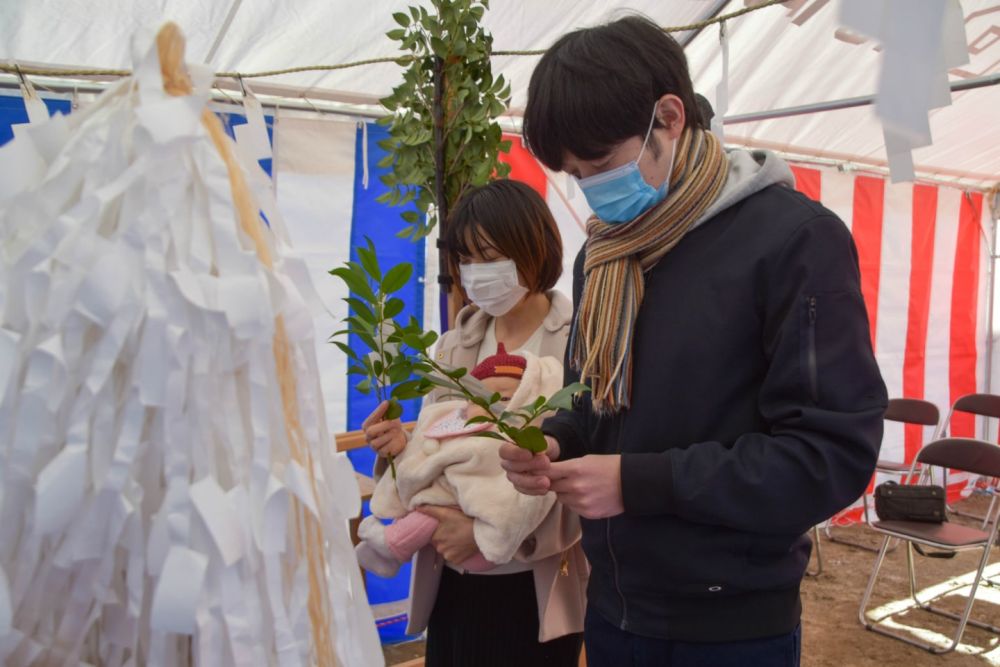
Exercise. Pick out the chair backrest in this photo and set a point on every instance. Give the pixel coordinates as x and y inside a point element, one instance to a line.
<point>967,454</point>
<point>986,405</point>
<point>912,411</point>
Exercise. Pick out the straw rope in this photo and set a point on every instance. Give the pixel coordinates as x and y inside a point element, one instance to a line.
<point>402,59</point>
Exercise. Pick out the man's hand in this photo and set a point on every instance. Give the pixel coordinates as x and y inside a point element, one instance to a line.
<point>590,486</point>
<point>527,471</point>
<point>385,437</point>
<point>454,538</point>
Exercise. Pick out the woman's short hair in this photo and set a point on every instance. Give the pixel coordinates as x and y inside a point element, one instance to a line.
<point>513,220</point>
<point>597,87</point>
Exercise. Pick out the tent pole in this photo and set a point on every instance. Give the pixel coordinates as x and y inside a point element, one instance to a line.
<point>847,103</point>
<point>223,29</point>
<point>269,95</point>
<point>990,307</point>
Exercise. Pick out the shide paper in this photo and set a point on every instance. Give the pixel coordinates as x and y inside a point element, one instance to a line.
<point>168,492</point>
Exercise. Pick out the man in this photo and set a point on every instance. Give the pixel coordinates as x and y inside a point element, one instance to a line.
<point>735,401</point>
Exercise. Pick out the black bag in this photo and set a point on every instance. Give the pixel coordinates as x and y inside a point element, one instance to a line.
<point>909,502</point>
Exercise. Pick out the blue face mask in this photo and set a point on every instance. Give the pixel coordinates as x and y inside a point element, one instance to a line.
<point>622,194</point>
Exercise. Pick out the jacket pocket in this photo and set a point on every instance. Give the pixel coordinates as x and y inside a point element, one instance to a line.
<point>837,366</point>
<point>812,371</point>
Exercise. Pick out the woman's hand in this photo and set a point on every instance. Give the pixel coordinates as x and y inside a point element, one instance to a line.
<point>454,538</point>
<point>385,437</point>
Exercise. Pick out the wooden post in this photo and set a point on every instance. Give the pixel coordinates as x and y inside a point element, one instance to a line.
<point>450,300</point>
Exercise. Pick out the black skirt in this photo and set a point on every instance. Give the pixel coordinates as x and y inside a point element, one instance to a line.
<point>482,620</point>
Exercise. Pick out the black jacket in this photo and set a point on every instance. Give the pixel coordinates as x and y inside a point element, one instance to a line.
<point>756,413</point>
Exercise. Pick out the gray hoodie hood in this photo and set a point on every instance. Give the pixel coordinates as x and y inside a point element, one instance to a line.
<point>749,172</point>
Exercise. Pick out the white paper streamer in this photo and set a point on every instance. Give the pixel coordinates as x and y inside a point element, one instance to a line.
<point>146,484</point>
<point>921,41</point>
<point>33,104</point>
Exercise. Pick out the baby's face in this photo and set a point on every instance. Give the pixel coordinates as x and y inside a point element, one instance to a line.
<point>505,386</point>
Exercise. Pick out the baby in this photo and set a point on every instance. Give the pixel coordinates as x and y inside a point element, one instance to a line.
<point>447,463</point>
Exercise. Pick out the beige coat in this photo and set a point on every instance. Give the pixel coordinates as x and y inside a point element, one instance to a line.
<point>553,550</point>
<point>465,470</point>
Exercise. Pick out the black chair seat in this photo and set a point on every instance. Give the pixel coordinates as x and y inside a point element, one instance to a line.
<point>947,533</point>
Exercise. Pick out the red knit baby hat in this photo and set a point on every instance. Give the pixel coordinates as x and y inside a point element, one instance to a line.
<point>500,364</point>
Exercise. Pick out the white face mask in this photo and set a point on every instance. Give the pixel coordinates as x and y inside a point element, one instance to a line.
<point>493,286</point>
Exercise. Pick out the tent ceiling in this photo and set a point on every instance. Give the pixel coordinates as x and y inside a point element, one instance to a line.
<point>779,58</point>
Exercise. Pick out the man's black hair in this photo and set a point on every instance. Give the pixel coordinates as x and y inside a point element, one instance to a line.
<point>597,87</point>
<point>705,111</point>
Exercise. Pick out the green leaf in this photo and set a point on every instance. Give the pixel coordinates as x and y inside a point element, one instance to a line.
<point>481,419</point>
<point>396,35</point>
<point>397,277</point>
<point>392,308</point>
<point>357,370</point>
<point>457,373</point>
<point>441,382</point>
<point>429,338</point>
<point>365,386</point>
<point>345,348</point>
<point>361,309</point>
<point>354,282</point>
<point>370,262</point>
<point>358,325</point>
<point>483,403</point>
<point>367,339</point>
<point>393,411</point>
<point>530,438</point>
<point>399,372</point>
<point>524,416</point>
<point>414,341</point>
<point>411,217</point>
<point>412,389</point>
<point>563,399</point>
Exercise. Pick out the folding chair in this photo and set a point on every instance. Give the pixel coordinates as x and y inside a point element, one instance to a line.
<point>964,454</point>
<point>905,411</point>
<point>981,405</point>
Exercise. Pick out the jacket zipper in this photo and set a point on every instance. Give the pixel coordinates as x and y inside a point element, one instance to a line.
<point>614,561</point>
<point>813,372</point>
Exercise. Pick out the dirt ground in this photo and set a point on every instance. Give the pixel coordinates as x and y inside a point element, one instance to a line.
<point>832,636</point>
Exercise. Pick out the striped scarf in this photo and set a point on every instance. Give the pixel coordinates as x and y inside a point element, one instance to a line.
<point>617,258</point>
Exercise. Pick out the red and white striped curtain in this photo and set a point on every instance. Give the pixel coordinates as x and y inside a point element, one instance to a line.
<point>923,251</point>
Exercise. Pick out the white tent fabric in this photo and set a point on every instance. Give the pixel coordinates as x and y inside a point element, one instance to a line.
<point>780,57</point>
<point>315,193</point>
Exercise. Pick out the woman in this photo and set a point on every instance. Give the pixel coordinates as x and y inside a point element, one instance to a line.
<point>529,611</point>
